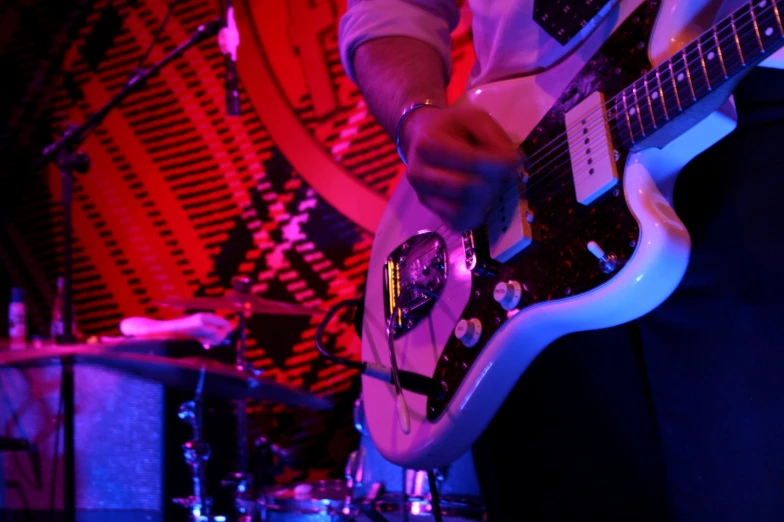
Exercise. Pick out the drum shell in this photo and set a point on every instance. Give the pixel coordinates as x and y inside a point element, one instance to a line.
<point>325,501</point>
<point>458,486</point>
<point>457,480</point>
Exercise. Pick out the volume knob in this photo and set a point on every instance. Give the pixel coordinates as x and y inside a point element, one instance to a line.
<point>469,331</point>
<point>508,294</point>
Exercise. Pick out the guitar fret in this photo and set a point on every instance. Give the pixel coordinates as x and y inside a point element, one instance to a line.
<point>647,118</point>
<point>688,75</point>
<point>704,67</point>
<point>721,54</point>
<point>628,119</point>
<point>756,29</point>
<point>742,39</point>
<point>747,36</point>
<point>650,102</point>
<point>713,65</point>
<point>661,96</point>
<point>769,31</point>
<point>778,16</point>
<point>737,40</point>
<point>667,90</point>
<point>675,87</point>
<point>730,52</point>
<point>638,129</point>
<point>614,119</point>
<point>637,111</point>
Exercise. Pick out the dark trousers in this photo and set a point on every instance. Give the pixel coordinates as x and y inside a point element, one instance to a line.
<point>679,415</point>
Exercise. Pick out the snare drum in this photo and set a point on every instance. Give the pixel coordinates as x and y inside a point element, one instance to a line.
<point>319,501</point>
<point>405,492</point>
<point>330,501</point>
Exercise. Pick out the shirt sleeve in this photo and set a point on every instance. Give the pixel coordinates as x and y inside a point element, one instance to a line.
<point>431,21</point>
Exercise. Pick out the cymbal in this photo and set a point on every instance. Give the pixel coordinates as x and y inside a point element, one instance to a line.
<point>220,380</point>
<point>237,303</point>
<point>49,355</point>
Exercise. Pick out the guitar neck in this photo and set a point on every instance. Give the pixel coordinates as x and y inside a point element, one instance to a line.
<point>723,53</point>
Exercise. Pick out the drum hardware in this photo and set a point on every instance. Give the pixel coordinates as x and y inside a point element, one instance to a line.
<point>386,492</point>
<point>220,379</point>
<point>196,452</point>
<point>437,514</point>
<point>269,461</point>
<point>318,501</point>
<point>207,376</point>
<point>412,492</point>
<point>367,506</point>
<point>65,154</point>
<point>241,301</point>
<point>241,481</point>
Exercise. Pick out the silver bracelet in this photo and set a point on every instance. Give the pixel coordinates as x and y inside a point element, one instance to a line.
<point>411,108</point>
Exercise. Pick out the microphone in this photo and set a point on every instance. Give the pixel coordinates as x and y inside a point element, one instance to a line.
<point>229,41</point>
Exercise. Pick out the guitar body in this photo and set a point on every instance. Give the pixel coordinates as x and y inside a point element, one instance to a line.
<point>564,286</point>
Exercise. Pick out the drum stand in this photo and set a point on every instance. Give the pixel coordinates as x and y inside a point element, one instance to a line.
<point>241,480</point>
<point>197,453</point>
<point>367,504</point>
<point>434,497</point>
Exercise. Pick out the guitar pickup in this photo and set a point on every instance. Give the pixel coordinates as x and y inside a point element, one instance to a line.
<point>508,229</point>
<point>591,152</point>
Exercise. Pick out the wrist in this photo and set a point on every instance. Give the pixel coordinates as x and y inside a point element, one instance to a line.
<point>405,118</point>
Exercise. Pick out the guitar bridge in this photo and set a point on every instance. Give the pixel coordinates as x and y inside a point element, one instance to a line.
<point>414,276</point>
<point>469,246</point>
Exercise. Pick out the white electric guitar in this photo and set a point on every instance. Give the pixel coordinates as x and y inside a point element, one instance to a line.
<point>587,238</point>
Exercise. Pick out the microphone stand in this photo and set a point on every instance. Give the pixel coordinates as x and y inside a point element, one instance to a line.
<point>64,154</point>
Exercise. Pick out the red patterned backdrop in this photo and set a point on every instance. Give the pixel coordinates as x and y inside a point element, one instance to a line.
<point>180,197</point>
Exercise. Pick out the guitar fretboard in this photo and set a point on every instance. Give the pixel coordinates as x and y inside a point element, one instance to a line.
<point>741,40</point>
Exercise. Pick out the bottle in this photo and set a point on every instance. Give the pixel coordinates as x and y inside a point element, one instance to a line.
<point>17,320</point>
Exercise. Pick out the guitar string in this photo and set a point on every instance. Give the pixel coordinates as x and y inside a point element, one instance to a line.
<point>559,141</point>
<point>536,180</point>
<point>536,189</point>
<point>766,11</point>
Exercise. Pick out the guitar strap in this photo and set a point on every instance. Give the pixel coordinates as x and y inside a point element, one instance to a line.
<point>564,19</point>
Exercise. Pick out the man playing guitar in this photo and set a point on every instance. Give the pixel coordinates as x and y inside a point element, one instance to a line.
<point>674,412</point>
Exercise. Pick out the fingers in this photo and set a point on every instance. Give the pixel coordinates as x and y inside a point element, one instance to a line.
<point>457,186</point>
<point>458,161</point>
<point>455,153</point>
<point>458,216</point>
<point>465,139</point>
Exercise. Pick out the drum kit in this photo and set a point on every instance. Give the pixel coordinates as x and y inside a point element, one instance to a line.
<point>373,488</point>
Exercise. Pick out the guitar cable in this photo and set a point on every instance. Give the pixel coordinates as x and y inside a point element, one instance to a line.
<point>410,381</point>
<point>402,379</point>
<point>403,414</point>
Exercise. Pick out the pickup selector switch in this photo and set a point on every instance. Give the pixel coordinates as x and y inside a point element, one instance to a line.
<point>508,294</point>
<point>607,262</point>
<point>469,331</point>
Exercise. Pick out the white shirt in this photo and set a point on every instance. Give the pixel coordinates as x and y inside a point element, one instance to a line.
<point>507,40</point>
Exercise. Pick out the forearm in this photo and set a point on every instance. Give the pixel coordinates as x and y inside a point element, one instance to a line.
<point>395,71</point>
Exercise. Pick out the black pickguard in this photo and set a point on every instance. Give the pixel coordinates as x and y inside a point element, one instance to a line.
<point>558,264</point>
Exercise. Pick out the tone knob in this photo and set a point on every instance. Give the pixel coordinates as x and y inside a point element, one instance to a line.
<point>469,331</point>
<point>508,294</point>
